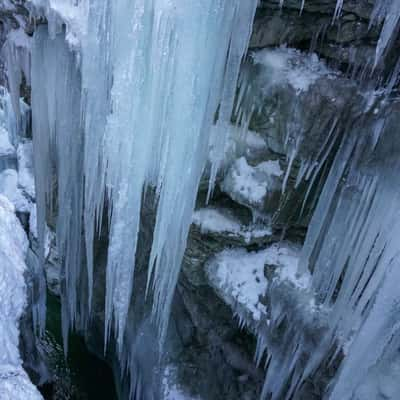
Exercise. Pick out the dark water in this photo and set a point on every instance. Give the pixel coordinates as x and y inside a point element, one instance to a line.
<point>81,376</point>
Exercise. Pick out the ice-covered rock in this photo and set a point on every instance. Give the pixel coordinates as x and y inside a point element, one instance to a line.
<point>220,221</point>
<point>253,186</point>
<point>14,382</point>
<point>9,188</point>
<point>346,38</point>
<point>7,151</point>
<point>240,276</point>
<point>291,67</point>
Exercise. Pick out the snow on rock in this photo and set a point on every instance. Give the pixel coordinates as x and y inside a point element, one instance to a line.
<point>214,220</point>
<point>25,168</point>
<point>239,142</point>
<point>14,382</point>
<point>9,188</point>
<point>292,67</point>
<point>220,221</point>
<point>250,185</point>
<point>239,276</point>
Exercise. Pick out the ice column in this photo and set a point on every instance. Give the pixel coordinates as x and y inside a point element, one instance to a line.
<point>134,111</point>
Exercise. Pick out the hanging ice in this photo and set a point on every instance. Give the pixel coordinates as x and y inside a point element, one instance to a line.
<point>388,13</point>
<point>152,77</point>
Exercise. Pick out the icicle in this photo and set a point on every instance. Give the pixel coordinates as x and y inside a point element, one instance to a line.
<point>17,62</point>
<point>146,122</point>
<point>238,47</point>
<point>338,9</point>
<point>303,2</point>
<point>387,11</point>
<point>58,142</point>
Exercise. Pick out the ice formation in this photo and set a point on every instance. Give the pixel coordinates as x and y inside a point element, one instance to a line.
<point>240,277</point>
<point>14,381</point>
<point>251,185</point>
<point>146,114</point>
<point>219,221</point>
<point>388,12</point>
<point>291,67</point>
<point>144,126</point>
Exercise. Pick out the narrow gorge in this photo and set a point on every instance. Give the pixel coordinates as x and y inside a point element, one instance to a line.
<point>199,199</point>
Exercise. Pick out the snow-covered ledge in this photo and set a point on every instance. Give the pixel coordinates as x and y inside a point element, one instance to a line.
<point>14,381</point>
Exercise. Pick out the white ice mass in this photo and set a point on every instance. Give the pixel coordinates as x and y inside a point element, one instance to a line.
<point>14,381</point>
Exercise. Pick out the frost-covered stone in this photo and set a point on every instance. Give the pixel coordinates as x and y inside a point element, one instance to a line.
<point>253,186</point>
<point>14,382</point>
<point>221,221</point>
<point>241,277</point>
<point>9,188</point>
<point>291,67</point>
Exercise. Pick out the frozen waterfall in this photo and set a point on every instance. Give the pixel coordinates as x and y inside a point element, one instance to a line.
<point>131,101</point>
<point>132,110</point>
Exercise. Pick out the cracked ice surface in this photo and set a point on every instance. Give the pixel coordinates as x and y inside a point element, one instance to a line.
<point>14,381</point>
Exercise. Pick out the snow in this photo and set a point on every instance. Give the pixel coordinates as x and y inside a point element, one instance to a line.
<point>250,185</point>
<point>9,188</point>
<point>240,278</point>
<point>71,13</point>
<point>213,220</point>
<point>255,141</point>
<point>239,142</point>
<point>220,221</point>
<point>14,382</point>
<point>285,65</point>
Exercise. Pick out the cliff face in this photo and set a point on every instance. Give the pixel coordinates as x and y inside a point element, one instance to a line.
<point>317,111</point>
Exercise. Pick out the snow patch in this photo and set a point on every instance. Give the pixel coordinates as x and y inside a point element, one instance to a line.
<point>239,276</point>
<point>213,220</point>
<point>14,382</point>
<point>292,67</point>
<point>250,185</point>
<point>9,188</point>
<point>71,13</point>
